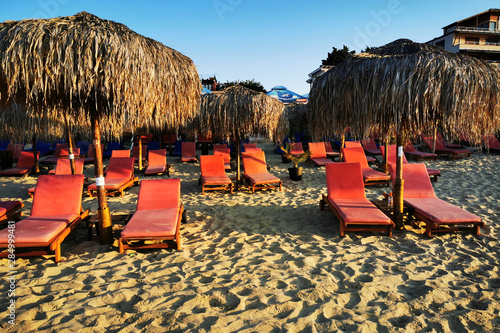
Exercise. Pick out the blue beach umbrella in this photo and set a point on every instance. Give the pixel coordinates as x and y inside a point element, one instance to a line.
<point>286,96</point>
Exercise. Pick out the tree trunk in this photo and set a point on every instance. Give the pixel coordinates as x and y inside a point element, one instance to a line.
<point>36,166</point>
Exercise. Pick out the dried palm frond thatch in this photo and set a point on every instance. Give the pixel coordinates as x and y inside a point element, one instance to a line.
<point>238,111</point>
<point>97,73</point>
<point>297,115</point>
<point>87,66</point>
<point>406,87</point>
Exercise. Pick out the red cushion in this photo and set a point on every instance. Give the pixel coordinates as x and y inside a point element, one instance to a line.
<point>152,223</point>
<point>157,157</point>
<point>188,149</point>
<point>159,194</point>
<point>26,160</point>
<point>110,184</point>
<point>321,161</point>
<point>57,195</point>
<point>417,183</point>
<point>212,165</point>
<point>63,166</point>
<point>254,163</point>
<point>14,171</point>
<point>38,229</point>
<point>359,211</point>
<point>441,211</point>
<point>355,154</point>
<point>262,178</point>
<point>120,167</point>
<point>344,181</point>
<point>371,174</point>
<point>154,169</point>
<point>317,150</point>
<point>7,206</point>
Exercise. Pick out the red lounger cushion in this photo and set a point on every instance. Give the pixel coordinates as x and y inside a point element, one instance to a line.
<point>7,206</point>
<point>441,211</point>
<point>154,169</point>
<point>152,223</point>
<point>359,211</point>
<point>53,198</point>
<point>263,178</point>
<point>212,170</point>
<point>34,231</point>
<point>110,184</point>
<point>371,174</point>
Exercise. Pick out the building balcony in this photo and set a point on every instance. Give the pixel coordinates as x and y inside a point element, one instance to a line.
<point>475,30</point>
<point>479,46</point>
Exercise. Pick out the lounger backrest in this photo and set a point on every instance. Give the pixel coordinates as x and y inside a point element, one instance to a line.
<point>252,149</point>
<point>220,147</point>
<point>249,145</point>
<point>120,153</point>
<point>254,163</point>
<point>135,151</point>
<point>328,147</point>
<point>409,146</point>
<point>491,141</point>
<point>225,153</point>
<point>356,154</point>
<point>159,194</point>
<point>317,149</point>
<point>344,181</point>
<point>440,138</point>
<point>392,156</point>
<point>212,165</point>
<point>64,152</point>
<point>63,166</point>
<point>429,141</point>
<point>16,149</point>
<point>417,183</point>
<point>120,167</point>
<point>157,157</point>
<point>352,144</point>
<point>57,195</point>
<point>297,148</point>
<point>188,148</point>
<point>369,144</point>
<point>26,159</point>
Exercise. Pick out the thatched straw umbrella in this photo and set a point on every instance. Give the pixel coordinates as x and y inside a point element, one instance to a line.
<point>101,74</point>
<point>236,112</point>
<point>297,115</point>
<point>404,87</point>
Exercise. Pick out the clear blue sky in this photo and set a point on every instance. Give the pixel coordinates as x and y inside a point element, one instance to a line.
<point>272,42</point>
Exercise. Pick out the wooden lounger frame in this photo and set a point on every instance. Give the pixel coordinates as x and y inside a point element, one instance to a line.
<point>273,184</point>
<point>344,227</point>
<point>215,187</point>
<point>52,247</point>
<point>124,245</point>
<point>437,227</point>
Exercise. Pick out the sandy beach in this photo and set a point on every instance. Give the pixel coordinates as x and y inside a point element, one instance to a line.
<point>270,262</point>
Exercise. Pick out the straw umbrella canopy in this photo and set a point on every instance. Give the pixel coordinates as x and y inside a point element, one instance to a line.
<point>403,88</point>
<point>99,73</point>
<point>297,115</point>
<point>237,111</point>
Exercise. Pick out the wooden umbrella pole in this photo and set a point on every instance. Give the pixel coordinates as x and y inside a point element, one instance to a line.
<point>386,146</point>
<point>238,163</point>
<point>399,184</point>
<point>435,137</point>
<point>105,225</point>
<point>71,144</point>
<point>140,151</point>
<point>36,166</point>
<point>342,143</point>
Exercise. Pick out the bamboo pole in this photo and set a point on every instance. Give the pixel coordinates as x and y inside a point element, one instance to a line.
<point>238,176</point>
<point>342,143</point>
<point>105,225</point>
<point>435,137</point>
<point>140,151</point>
<point>398,184</point>
<point>71,155</point>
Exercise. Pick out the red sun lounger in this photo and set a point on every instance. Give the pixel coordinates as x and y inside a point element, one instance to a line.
<point>347,200</point>
<point>442,150</point>
<point>354,144</point>
<point>24,165</point>
<point>370,176</point>
<point>438,215</point>
<point>63,167</point>
<point>329,150</point>
<point>255,171</point>
<point>318,153</point>
<point>370,146</point>
<point>157,217</point>
<point>188,152</point>
<point>10,210</point>
<point>157,162</point>
<point>225,153</point>
<point>417,154</point>
<point>56,211</point>
<point>297,149</point>
<point>391,159</point>
<point>119,176</point>
<point>213,175</point>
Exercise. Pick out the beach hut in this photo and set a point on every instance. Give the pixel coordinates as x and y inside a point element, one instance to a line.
<point>98,74</point>
<point>236,112</point>
<point>402,88</point>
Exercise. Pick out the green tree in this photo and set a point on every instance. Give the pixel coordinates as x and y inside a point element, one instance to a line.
<point>250,84</point>
<point>337,56</point>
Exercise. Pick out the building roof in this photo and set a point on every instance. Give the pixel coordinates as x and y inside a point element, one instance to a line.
<point>491,10</point>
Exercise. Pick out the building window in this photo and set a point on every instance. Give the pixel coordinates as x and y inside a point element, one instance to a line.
<point>493,26</point>
<point>440,44</point>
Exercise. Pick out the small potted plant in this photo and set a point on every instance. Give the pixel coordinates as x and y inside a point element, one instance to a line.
<point>296,171</point>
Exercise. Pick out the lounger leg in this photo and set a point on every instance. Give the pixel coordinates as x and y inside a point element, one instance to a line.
<point>58,252</point>
<point>428,229</point>
<point>120,245</point>
<point>477,232</point>
<point>342,233</point>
